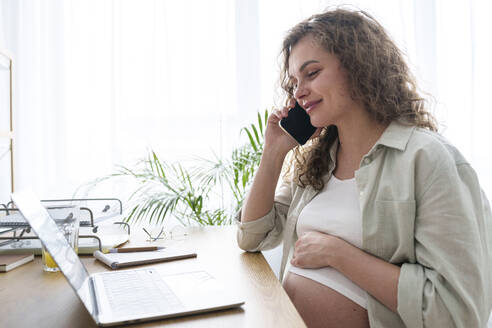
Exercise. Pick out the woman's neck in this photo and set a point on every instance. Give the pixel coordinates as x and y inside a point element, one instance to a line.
<point>356,137</point>
<point>359,138</point>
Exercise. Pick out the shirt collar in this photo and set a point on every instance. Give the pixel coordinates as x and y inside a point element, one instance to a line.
<point>396,135</point>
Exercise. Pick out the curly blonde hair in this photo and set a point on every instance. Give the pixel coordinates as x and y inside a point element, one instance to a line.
<point>378,78</point>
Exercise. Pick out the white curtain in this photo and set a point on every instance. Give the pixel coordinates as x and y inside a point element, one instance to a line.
<point>33,34</point>
<point>97,83</point>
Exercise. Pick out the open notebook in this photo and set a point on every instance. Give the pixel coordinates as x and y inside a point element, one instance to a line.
<point>123,260</point>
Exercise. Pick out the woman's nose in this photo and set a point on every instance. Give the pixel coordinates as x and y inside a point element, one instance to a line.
<point>300,91</point>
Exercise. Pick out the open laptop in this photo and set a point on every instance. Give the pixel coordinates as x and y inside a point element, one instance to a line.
<point>129,296</point>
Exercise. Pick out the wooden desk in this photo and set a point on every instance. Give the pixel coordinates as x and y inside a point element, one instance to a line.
<point>30,297</point>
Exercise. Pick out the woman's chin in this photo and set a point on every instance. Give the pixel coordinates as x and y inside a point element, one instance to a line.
<point>319,122</point>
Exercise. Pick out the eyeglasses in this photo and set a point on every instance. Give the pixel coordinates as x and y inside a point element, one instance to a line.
<point>176,233</point>
<point>154,238</point>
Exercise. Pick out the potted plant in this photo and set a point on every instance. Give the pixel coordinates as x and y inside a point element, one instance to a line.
<point>209,192</point>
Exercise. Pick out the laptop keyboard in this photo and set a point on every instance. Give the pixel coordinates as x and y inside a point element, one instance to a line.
<point>137,292</point>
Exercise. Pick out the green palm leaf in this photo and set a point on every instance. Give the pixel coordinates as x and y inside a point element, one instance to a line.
<point>192,194</point>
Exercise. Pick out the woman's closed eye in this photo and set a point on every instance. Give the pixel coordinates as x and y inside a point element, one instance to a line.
<point>309,75</point>
<point>312,74</point>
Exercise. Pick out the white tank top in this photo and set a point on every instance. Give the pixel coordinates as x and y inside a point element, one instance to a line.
<point>335,211</point>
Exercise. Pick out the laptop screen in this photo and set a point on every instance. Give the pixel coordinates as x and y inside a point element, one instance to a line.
<point>56,244</point>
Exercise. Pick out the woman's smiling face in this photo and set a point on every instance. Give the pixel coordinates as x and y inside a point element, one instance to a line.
<point>320,83</point>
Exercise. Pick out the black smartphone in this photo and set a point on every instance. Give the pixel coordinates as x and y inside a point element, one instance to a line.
<point>298,124</point>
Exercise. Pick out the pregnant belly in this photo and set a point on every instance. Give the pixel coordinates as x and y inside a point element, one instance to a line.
<point>321,306</point>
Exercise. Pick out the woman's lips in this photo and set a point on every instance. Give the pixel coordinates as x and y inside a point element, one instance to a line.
<point>311,106</point>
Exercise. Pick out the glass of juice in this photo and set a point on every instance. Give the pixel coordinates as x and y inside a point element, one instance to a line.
<point>67,219</point>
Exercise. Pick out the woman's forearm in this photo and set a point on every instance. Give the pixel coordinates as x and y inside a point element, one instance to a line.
<point>378,277</point>
<point>261,195</point>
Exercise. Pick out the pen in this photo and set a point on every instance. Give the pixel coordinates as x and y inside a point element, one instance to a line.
<point>135,249</point>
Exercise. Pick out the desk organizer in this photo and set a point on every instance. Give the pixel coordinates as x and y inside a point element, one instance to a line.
<point>14,228</point>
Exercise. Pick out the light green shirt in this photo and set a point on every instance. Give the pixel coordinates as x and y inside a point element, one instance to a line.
<point>422,209</point>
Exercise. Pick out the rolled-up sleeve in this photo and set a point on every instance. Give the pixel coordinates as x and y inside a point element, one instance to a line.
<point>265,232</point>
<point>450,285</point>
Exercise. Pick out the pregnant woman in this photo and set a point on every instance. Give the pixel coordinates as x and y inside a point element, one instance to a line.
<point>383,221</point>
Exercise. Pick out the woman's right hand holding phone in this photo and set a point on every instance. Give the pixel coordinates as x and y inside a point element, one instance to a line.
<point>277,144</point>
<point>276,140</point>
<point>260,198</point>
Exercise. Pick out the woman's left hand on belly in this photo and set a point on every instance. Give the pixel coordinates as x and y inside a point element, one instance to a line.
<point>379,278</point>
<point>316,250</point>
